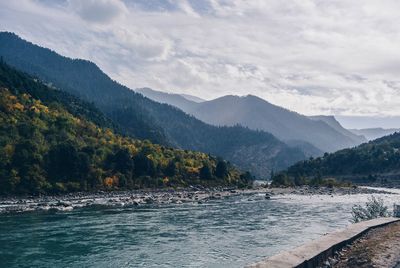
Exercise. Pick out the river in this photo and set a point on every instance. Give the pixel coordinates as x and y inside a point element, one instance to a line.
<point>230,232</point>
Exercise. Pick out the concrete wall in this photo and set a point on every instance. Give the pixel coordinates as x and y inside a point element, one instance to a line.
<point>396,211</point>
<point>316,252</point>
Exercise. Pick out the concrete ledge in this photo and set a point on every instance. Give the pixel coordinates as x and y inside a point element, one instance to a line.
<point>314,253</point>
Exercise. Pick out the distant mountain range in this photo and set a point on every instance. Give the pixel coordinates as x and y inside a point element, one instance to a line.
<point>323,132</point>
<point>142,118</point>
<point>374,133</point>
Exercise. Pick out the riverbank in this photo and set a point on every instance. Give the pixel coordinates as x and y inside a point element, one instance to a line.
<point>72,201</point>
<point>358,245</point>
<point>379,247</point>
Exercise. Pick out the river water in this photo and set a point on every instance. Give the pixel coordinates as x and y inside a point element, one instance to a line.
<point>223,233</point>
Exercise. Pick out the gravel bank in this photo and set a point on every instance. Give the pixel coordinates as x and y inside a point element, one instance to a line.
<point>71,201</point>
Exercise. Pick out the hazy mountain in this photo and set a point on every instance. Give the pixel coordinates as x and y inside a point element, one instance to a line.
<point>374,133</point>
<point>140,117</point>
<point>256,113</point>
<point>332,122</point>
<point>176,100</point>
<point>192,98</point>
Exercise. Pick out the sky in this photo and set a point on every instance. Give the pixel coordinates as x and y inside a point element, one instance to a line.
<point>334,57</point>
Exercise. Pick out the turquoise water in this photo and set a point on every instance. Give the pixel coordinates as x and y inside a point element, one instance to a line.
<point>222,233</point>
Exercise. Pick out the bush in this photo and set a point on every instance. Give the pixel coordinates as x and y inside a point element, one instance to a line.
<point>373,209</point>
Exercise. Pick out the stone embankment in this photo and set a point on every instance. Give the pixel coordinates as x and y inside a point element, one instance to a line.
<point>379,247</point>
<point>356,246</point>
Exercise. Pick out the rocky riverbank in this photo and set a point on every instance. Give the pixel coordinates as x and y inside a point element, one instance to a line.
<point>72,201</point>
<point>379,247</point>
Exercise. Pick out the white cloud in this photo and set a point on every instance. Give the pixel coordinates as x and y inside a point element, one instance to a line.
<point>311,56</point>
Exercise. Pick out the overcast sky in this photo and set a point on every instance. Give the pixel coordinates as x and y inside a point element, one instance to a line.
<point>315,57</point>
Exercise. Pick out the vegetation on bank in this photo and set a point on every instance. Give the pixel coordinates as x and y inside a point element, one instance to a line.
<point>283,180</point>
<point>52,142</point>
<point>374,208</point>
<point>366,161</point>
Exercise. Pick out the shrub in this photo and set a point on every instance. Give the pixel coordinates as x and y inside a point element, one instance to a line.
<point>373,209</point>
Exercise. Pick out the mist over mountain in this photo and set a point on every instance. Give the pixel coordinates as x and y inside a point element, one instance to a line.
<point>325,133</point>
<point>332,122</point>
<point>374,133</point>
<point>177,100</point>
<point>192,98</point>
<point>142,118</point>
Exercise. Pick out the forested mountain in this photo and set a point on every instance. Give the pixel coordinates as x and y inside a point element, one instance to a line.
<point>324,133</point>
<point>140,117</point>
<point>375,133</point>
<point>52,142</point>
<point>367,161</point>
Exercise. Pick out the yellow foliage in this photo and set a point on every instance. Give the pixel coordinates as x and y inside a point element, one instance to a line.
<point>9,150</point>
<point>25,96</point>
<point>193,170</point>
<point>35,109</point>
<point>165,180</point>
<point>12,97</point>
<point>109,182</point>
<point>18,106</point>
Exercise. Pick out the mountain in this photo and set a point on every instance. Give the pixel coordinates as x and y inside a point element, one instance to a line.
<point>333,123</point>
<point>379,158</point>
<point>51,141</point>
<point>256,113</point>
<point>139,117</point>
<point>192,98</point>
<point>374,133</point>
<point>176,100</point>
<point>323,132</point>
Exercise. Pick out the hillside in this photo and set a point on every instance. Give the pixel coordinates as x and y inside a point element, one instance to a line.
<point>50,143</point>
<point>367,161</point>
<point>142,118</point>
<point>324,133</point>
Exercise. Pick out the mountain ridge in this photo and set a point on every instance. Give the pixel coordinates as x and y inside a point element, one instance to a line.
<point>49,144</point>
<point>258,114</point>
<point>142,118</point>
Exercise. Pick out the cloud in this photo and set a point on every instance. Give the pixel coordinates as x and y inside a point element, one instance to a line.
<point>101,11</point>
<point>329,57</point>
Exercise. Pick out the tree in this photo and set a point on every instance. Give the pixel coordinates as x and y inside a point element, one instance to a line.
<point>221,170</point>
<point>144,165</point>
<point>123,161</point>
<point>63,162</point>
<point>170,169</point>
<point>205,172</point>
<point>281,180</point>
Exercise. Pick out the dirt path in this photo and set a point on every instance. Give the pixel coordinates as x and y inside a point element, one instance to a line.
<point>379,247</point>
